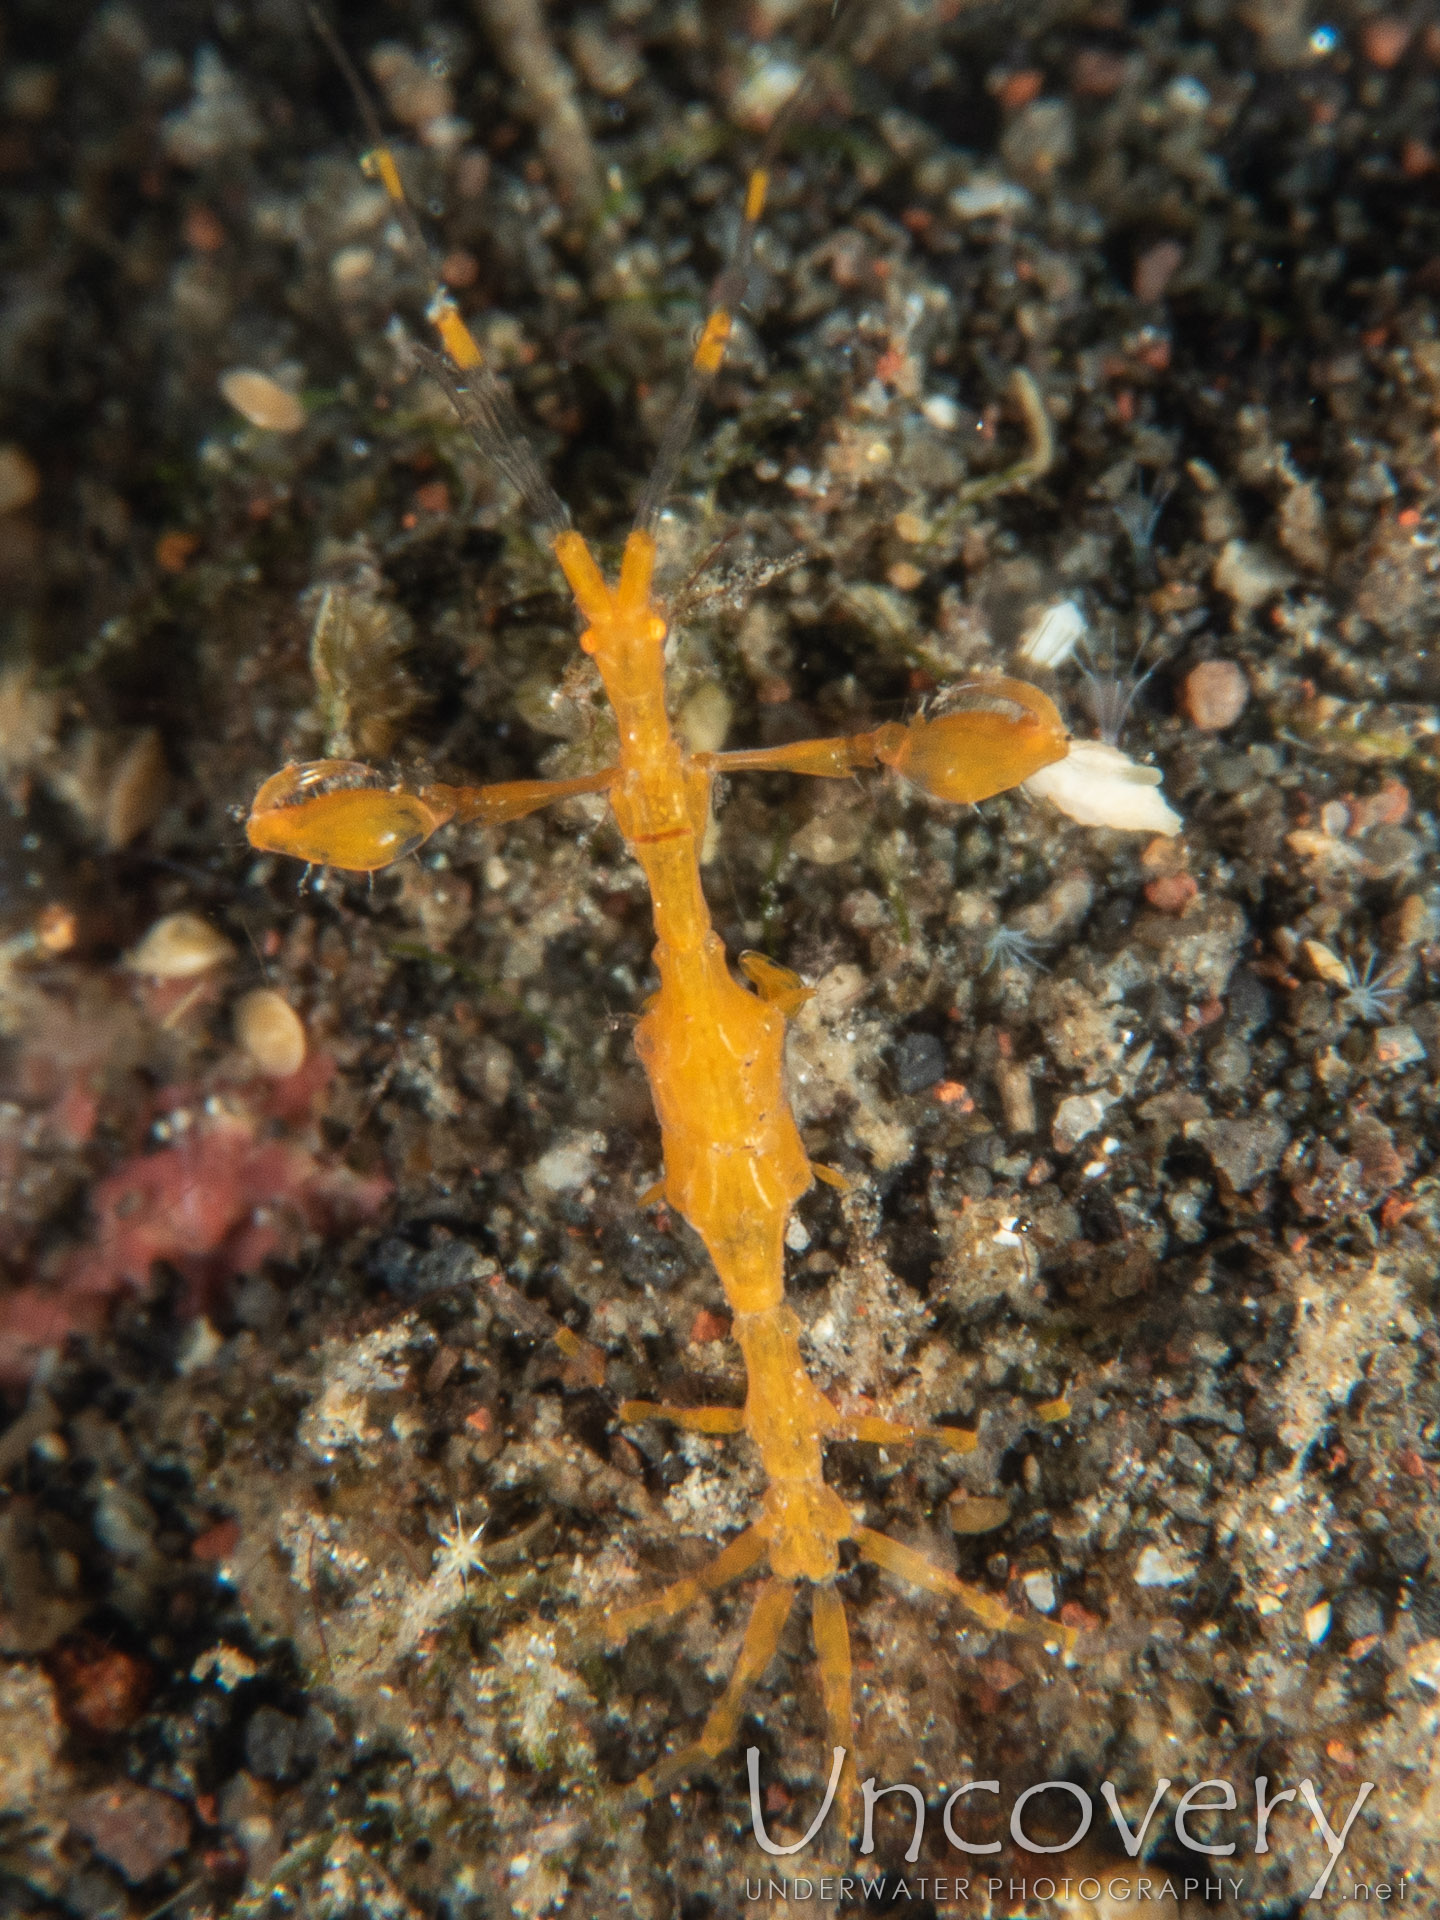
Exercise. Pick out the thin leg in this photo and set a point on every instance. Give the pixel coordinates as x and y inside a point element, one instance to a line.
<point>762,1637</point>
<point>688,1419</point>
<point>508,800</point>
<point>831,1635</point>
<point>832,759</point>
<point>736,1560</point>
<point>894,1433</point>
<point>904,1563</point>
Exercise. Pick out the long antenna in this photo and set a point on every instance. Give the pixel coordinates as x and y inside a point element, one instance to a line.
<point>479,399</point>
<point>727,295</point>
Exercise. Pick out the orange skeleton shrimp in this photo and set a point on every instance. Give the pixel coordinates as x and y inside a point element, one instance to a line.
<point>712,1049</point>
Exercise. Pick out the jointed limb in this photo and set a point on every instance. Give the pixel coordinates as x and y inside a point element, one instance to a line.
<point>895,1433</point>
<point>688,1419</point>
<point>762,1637</point>
<point>736,1560</point>
<point>831,1634</point>
<point>904,1563</point>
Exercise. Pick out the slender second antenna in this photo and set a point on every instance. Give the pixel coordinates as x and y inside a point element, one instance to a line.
<point>476,395</point>
<point>728,293</point>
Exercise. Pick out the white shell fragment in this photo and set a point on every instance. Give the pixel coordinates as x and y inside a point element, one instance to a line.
<point>1158,1568</point>
<point>270,1031</point>
<point>1099,786</point>
<point>261,400</point>
<point>179,947</point>
<point>1050,640</point>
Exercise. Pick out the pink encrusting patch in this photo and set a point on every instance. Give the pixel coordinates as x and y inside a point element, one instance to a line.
<point>218,1203</point>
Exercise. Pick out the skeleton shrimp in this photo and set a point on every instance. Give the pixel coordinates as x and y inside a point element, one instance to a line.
<point>712,1049</point>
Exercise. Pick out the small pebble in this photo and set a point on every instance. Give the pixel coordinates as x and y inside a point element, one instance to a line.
<point>1317,1622</point>
<point>1244,1150</point>
<point>262,400</point>
<point>135,1828</point>
<point>1397,1047</point>
<point>1327,963</point>
<point>1215,694</point>
<point>270,1031</point>
<point>19,479</point>
<point>1156,268</point>
<point>179,947</point>
<point>270,1740</point>
<point>763,92</point>
<point>977,1513</point>
<point>1172,892</point>
<point>1076,1117</point>
<point>988,196</point>
<point>1385,39</point>
<point>94,1894</point>
<point>1362,1613</point>
<point>919,1062</point>
<point>1250,574</point>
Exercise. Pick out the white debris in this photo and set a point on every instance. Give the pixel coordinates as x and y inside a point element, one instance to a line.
<point>1076,1116</point>
<point>1159,1567</point>
<point>941,411</point>
<point>566,1166</point>
<point>227,1666</point>
<point>987,195</point>
<point>1050,640</point>
<point>1040,1591</point>
<point>1099,786</point>
<point>1422,1666</point>
<point>1317,1622</point>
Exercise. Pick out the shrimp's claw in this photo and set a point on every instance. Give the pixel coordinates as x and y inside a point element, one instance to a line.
<point>336,813</point>
<point>1002,732</point>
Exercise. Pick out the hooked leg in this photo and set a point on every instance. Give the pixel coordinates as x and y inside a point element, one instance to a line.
<point>762,1637</point>
<point>904,1563</point>
<point>736,1560</point>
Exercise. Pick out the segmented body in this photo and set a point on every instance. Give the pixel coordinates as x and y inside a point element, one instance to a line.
<point>712,1049</point>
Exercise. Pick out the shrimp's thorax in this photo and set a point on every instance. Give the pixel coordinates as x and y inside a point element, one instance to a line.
<point>713,1052</point>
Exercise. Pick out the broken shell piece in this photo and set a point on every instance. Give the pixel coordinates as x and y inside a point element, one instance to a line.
<point>179,947</point>
<point>1327,964</point>
<point>262,400</point>
<point>270,1031</point>
<point>1051,639</point>
<point>137,791</point>
<point>1099,786</point>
